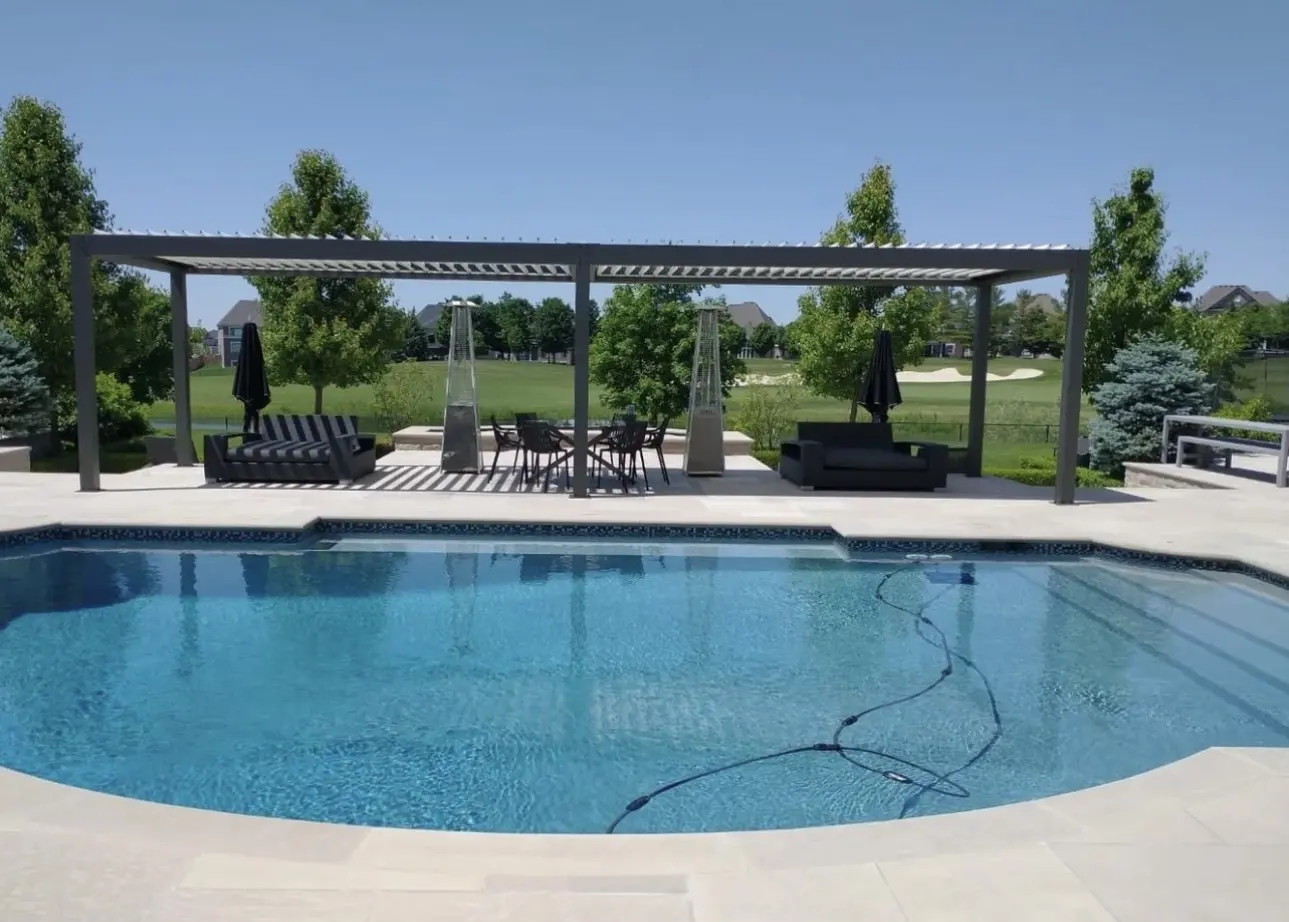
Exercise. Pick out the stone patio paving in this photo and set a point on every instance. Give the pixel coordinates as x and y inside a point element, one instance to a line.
<point>1204,838</point>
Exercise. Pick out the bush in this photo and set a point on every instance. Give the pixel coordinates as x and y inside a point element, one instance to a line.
<point>1255,410</point>
<point>767,456</point>
<point>24,399</point>
<point>120,417</point>
<point>1144,382</point>
<point>767,415</point>
<point>404,396</point>
<point>1040,475</point>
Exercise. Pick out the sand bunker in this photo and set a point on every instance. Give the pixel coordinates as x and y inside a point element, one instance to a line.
<point>939,376</point>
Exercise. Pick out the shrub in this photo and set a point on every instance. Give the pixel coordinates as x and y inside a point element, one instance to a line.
<point>1256,410</point>
<point>1039,475</point>
<point>120,416</point>
<point>1144,382</point>
<point>767,415</point>
<point>404,396</point>
<point>767,456</point>
<point>24,399</point>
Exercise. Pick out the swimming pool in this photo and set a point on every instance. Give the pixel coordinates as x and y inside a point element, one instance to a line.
<point>557,686</point>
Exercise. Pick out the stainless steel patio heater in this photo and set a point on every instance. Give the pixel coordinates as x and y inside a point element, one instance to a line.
<point>705,436</point>
<point>461,448</point>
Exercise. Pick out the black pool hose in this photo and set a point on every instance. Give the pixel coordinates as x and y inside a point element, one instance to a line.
<point>939,783</point>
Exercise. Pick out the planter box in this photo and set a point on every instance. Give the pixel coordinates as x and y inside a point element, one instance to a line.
<point>15,459</point>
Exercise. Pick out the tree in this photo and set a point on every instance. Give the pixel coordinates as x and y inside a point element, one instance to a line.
<point>1133,287</point>
<point>763,338</point>
<point>325,332</point>
<point>24,399</point>
<point>46,195</point>
<point>197,340</point>
<point>643,353</point>
<point>1002,318</point>
<point>837,326</point>
<point>553,327</point>
<point>416,341</point>
<point>1142,383</point>
<point>404,396</point>
<point>515,317</point>
<point>1217,341</point>
<point>1029,324</point>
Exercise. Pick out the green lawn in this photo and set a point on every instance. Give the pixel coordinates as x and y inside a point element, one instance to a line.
<point>1021,415</point>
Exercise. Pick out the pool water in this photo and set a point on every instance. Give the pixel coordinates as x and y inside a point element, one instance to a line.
<point>544,687</point>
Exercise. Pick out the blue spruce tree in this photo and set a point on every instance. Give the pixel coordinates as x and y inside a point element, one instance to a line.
<point>24,399</point>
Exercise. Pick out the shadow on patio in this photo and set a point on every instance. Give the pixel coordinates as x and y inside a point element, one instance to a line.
<point>419,472</point>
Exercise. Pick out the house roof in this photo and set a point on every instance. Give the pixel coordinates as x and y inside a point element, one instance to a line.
<point>428,316</point>
<point>1047,304</point>
<point>243,312</point>
<point>612,263</point>
<point>1219,293</point>
<point>748,315</point>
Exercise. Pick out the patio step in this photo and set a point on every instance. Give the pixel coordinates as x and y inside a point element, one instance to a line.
<point>430,438</point>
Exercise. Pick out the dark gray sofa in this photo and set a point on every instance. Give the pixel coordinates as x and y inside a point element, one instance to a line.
<point>861,456</point>
<point>292,449</point>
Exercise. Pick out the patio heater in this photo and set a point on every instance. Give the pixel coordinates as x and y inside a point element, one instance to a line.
<point>461,448</point>
<point>705,435</point>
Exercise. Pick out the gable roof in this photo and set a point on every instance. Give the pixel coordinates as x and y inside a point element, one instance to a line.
<point>243,312</point>
<point>1219,293</point>
<point>748,315</point>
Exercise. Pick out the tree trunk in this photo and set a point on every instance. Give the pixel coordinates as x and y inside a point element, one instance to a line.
<point>317,399</point>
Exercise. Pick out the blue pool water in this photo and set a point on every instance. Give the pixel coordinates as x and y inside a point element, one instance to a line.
<point>545,687</point>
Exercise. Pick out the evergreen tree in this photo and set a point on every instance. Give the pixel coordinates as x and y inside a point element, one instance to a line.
<point>1144,382</point>
<point>24,399</point>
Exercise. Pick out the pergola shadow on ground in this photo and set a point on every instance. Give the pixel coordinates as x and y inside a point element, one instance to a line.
<point>579,264</point>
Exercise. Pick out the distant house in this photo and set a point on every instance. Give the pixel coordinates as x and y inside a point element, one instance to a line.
<point>428,316</point>
<point>747,315</point>
<point>1228,297</point>
<point>228,332</point>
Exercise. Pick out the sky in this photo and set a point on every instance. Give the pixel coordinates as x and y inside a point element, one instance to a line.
<point>672,120</point>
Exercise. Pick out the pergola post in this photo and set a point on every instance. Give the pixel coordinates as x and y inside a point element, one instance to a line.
<point>1067,440</point>
<point>83,366</point>
<point>979,380</point>
<point>581,373</point>
<point>183,403</point>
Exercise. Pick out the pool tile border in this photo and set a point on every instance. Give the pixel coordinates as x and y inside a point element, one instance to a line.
<point>287,538</point>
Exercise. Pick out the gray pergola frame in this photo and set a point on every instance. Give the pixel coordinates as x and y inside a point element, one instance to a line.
<point>581,264</point>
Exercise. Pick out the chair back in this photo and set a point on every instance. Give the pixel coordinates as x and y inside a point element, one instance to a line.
<point>657,436</point>
<point>533,436</point>
<point>521,418</point>
<point>634,434</point>
<point>848,435</point>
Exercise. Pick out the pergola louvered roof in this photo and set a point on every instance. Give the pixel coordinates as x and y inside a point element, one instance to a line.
<point>611,263</point>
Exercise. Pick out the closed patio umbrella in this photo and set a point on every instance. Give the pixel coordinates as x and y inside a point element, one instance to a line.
<point>251,381</point>
<point>881,388</point>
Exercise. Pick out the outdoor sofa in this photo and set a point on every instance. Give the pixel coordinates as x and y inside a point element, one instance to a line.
<point>861,456</point>
<point>293,449</point>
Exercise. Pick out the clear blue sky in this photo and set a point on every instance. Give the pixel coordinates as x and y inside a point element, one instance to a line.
<point>699,121</point>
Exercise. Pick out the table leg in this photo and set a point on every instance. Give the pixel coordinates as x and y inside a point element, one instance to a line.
<point>1163,456</point>
<point>1283,459</point>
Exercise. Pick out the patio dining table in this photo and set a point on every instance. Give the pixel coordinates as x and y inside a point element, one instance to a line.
<point>558,429</point>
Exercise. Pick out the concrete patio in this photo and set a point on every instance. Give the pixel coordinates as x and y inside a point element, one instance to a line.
<point>1204,838</point>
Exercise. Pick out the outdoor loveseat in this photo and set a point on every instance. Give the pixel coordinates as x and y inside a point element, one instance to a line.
<point>293,449</point>
<point>861,456</point>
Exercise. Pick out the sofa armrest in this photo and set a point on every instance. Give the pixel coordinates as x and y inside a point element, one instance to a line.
<point>936,454</point>
<point>808,454</point>
<point>366,443</point>
<point>216,445</point>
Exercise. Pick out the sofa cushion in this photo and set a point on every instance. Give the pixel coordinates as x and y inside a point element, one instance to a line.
<point>310,428</point>
<point>871,459</point>
<point>280,450</point>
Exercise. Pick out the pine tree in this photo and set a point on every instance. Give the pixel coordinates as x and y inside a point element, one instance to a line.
<point>24,399</point>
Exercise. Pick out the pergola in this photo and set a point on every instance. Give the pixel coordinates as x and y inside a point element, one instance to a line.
<point>580,264</point>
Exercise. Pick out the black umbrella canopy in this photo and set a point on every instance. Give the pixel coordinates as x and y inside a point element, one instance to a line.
<point>251,381</point>
<point>881,388</point>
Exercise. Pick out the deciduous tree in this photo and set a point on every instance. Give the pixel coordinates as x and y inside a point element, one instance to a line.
<point>763,338</point>
<point>643,353</point>
<point>515,317</point>
<point>837,325</point>
<point>1134,287</point>
<point>553,326</point>
<point>46,195</point>
<point>325,332</point>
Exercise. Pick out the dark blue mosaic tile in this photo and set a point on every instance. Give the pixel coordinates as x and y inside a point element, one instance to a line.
<point>82,534</point>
